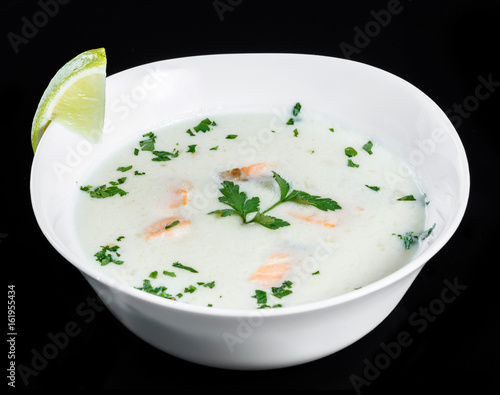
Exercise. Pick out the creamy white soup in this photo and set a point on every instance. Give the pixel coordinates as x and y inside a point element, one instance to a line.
<point>250,211</point>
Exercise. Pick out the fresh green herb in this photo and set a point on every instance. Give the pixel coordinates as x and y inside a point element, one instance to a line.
<point>207,285</point>
<point>350,152</point>
<point>261,297</point>
<point>296,109</point>
<point>163,156</point>
<point>104,191</point>
<point>181,266</point>
<point>108,254</point>
<point>171,225</point>
<point>204,126</point>
<point>295,133</point>
<point>407,198</point>
<point>158,291</point>
<point>136,173</point>
<point>167,273</point>
<point>290,121</point>
<point>136,151</point>
<point>408,239</point>
<point>214,148</point>
<point>124,169</point>
<point>190,132</point>
<point>242,206</point>
<point>237,200</point>
<point>190,289</point>
<point>192,148</point>
<point>119,238</point>
<point>373,188</point>
<point>315,273</point>
<point>231,136</point>
<point>424,235</point>
<point>153,274</point>
<point>368,147</point>
<point>284,290</point>
<point>350,163</point>
<point>331,130</point>
<point>149,143</point>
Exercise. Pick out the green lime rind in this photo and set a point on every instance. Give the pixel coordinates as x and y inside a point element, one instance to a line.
<point>85,64</point>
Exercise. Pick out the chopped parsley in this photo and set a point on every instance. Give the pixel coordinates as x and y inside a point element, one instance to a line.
<point>350,163</point>
<point>231,136</point>
<point>153,274</point>
<point>296,109</point>
<point>108,254</point>
<point>214,148</point>
<point>167,273</point>
<point>181,266</point>
<point>149,143</point>
<point>163,156</point>
<point>284,290</point>
<point>203,126</point>
<point>295,133</point>
<point>192,148</point>
<point>408,239</point>
<point>331,130</point>
<point>136,173</point>
<point>158,291</point>
<point>290,121</point>
<point>124,169</point>
<point>243,206</point>
<point>373,188</point>
<point>424,235</point>
<point>172,224</point>
<point>104,191</point>
<point>368,147</point>
<point>406,198</point>
<point>350,152</point>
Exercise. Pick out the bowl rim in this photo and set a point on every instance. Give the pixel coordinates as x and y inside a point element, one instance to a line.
<point>415,264</point>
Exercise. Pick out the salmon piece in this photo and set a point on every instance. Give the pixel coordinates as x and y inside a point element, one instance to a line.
<point>315,218</point>
<point>248,172</point>
<point>273,271</point>
<point>177,195</point>
<point>157,229</point>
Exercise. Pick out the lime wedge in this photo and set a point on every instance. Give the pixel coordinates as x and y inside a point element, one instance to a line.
<point>74,98</point>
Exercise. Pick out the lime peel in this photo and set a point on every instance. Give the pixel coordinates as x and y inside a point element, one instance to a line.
<point>75,98</point>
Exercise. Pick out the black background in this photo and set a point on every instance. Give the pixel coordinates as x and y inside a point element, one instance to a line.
<point>442,47</point>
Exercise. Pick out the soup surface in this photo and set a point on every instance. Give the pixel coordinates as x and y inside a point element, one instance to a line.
<point>248,211</point>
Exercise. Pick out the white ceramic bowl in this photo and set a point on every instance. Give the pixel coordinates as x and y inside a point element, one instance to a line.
<point>355,95</point>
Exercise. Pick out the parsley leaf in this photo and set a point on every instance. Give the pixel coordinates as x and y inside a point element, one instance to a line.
<point>407,198</point>
<point>181,266</point>
<point>124,169</point>
<point>373,188</point>
<point>107,255</point>
<point>204,126</point>
<point>163,156</point>
<point>239,202</point>
<point>231,136</point>
<point>280,292</point>
<point>350,163</point>
<point>104,191</point>
<point>350,152</point>
<point>149,143</point>
<point>192,148</point>
<point>368,147</point>
<point>158,291</point>
<point>296,109</point>
<point>408,239</point>
<point>269,222</point>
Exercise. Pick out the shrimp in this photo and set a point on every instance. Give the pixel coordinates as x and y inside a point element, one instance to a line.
<point>248,172</point>
<point>273,270</point>
<point>168,227</point>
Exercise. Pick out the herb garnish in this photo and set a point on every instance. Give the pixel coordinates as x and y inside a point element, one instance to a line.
<point>149,143</point>
<point>158,291</point>
<point>243,206</point>
<point>409,238</point>
<point>368,147</point>
<point>163,156</point>
<point>192,148</point>
<point>171,225</point>
<point>181,266</point>
<point>373,188</point>
<point>407,198</point>
<point>350,152</point>
<point>231,136</point>
<point>108,254</point>
<point>104,191</point>
<point>124,169</point>
<point>284,290</point>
